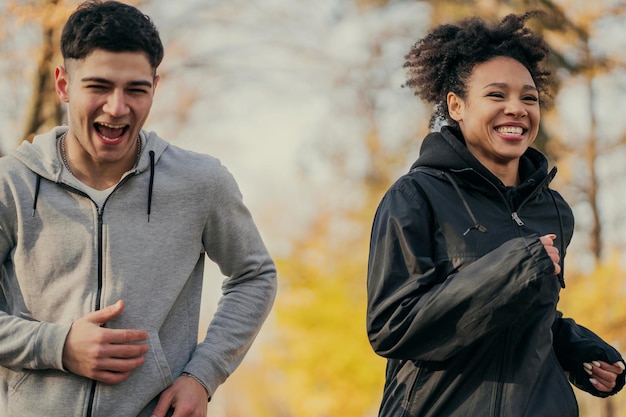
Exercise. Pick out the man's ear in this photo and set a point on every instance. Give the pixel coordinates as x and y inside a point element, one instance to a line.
<point>455,106</point>
<point>155,82</point>
<point>61,84</point>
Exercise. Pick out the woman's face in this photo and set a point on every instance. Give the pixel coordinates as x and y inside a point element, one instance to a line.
<point>499,117</point>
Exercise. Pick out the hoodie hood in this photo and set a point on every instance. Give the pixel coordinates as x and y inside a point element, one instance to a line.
<point>42,157</point>
<point>446,151</point>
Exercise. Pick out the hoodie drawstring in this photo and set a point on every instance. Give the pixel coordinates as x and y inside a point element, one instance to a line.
<point>37,185</point>
<point>150,187</point>
<point>476,225</point>
<point>151,153</point>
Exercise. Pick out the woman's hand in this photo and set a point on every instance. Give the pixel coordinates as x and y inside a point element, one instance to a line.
<point>603,375</point>
<point>548,244</point>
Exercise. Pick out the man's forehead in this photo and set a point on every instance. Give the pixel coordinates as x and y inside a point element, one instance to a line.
<point>111,65</point>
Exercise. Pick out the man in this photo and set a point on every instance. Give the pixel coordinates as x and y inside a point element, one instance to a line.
<point>103,233</point>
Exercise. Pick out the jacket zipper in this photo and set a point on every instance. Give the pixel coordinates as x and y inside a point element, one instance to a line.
<point>497,401</point>
<point>515,213</point>
<point>537,189</point>
<point>516,218</point>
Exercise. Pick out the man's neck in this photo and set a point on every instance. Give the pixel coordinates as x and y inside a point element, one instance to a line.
<point>99,176</point>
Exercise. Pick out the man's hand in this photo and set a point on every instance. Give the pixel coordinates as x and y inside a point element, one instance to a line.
<point>105,355</point>
<point>186,396</point>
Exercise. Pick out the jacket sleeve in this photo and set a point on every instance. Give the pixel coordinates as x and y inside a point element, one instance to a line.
<point>419,308</point>
<point>233,242</point>
<point>574,345</point>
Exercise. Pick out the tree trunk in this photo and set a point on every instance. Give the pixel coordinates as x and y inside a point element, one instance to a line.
<point>44,110</point>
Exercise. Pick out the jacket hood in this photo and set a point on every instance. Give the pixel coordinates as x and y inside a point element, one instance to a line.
<point>43,158</point>
<point>446,151</point>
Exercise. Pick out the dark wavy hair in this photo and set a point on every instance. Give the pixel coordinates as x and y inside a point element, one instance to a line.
<point>443,60</point>
<point>111,26</point>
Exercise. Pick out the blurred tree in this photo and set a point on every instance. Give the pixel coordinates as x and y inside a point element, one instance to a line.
<point>25,36</point>
<point>321,355</point>
<point>45,18</point>
<point>44,110</point>
<point>327,364</point>
<point>588,66</point>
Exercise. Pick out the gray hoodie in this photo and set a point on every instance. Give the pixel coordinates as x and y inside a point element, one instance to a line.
<point>63,257</point>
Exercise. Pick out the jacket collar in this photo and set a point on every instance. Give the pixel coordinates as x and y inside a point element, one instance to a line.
<point>446,151</point>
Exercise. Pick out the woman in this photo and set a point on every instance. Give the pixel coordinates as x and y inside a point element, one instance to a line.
<point>465,264</point>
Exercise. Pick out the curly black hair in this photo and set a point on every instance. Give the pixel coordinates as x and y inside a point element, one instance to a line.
<point>112,26</point>
<point>443,60</point>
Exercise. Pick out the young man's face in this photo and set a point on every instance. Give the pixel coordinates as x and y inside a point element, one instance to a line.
<point>109,96</point>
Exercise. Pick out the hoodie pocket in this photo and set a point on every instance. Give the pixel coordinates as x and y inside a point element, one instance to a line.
<point>142,387</point>
<point>46,393</point>
<point>158,356</point>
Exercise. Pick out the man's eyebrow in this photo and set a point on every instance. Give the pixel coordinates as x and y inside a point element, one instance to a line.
<point>138,83</point>
<point>504,85</point>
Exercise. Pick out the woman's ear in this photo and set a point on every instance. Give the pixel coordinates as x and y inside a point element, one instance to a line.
<point>455,106</point>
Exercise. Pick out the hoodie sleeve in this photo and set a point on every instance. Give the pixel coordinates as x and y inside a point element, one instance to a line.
<point>31,345</point>
<point>232,240</point>
<point>574,345</point>
<point>418,307</point>
<point>24,342</point>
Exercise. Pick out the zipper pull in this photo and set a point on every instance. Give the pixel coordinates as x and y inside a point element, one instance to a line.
<point>517,219</point>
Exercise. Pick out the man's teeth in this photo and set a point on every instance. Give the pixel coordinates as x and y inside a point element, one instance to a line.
<point>111,126</point>
<point>110,131</point>
<point>510,130</point>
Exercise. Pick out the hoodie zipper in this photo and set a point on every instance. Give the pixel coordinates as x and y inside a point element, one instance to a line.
<point>94,383</point>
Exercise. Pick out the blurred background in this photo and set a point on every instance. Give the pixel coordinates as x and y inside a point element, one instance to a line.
<point>302,101</point>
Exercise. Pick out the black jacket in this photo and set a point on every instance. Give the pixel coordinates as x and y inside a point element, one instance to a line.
<point>462,295</point>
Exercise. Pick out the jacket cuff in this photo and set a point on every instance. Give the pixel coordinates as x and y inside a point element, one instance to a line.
<point>581,380</point>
